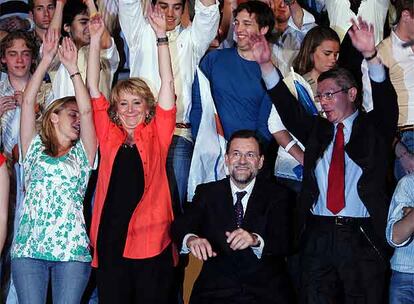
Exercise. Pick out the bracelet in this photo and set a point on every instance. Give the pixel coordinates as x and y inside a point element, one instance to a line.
<point>290,145</point>
<point>162,39</point>
<point>372,56</point>
<point>74,74</point>
<point>162,43</point>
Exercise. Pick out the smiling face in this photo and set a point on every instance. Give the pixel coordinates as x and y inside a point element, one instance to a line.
<point>341,104</point>
<point>66,122</point>
<point>245,25</point>
<point>18,59</point>
<point>42,13</point>
<point>173,10</point>
<point>131,110</point>
<point>243,160</point>
<point>79,30</point>
<point>325,56</point>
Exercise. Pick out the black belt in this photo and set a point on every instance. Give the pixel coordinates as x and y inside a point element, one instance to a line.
<point>337,220</point>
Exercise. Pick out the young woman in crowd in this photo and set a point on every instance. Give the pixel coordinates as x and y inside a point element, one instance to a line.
<point>51,241</point>
<point>318,53</point>
<point>4,200</point>
<point>132,209</point>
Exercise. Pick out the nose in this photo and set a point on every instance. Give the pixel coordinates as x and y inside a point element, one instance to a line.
<point>19,58</point>
<point>130,106</point>
<point>47,13</point>
<point>169,11</point>
<point>243,158</point>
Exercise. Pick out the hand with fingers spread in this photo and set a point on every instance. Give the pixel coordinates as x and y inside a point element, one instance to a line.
<point>241,239</point>
<point>68,55</point>
<point>50,44</point>
<point>362,37</point>
<point>200,248</point>
<point>96,27</point>
<point>7,103</point>
<point>157,20</point>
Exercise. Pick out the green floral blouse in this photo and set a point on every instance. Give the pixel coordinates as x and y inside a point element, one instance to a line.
<point>52,226</point>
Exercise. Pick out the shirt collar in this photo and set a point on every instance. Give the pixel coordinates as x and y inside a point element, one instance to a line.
<point>349,121</point>
<point>248,189</point>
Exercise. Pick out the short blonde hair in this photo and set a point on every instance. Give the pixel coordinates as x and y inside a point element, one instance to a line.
<point>134,86</point>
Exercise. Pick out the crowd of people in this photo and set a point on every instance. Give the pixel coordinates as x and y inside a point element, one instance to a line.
<point>273,140</point>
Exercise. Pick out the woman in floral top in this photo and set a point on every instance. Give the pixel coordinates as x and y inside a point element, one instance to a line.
<point>51,240</point>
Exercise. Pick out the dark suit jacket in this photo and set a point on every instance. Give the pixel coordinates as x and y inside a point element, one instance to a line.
<point>238,276</point>
<point>369,147</point>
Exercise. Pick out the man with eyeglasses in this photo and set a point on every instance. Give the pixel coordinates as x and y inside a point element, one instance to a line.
<point>238,227</point>
<point>343,204</point>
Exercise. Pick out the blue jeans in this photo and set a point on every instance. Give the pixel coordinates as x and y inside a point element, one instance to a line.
<point>31,278</point>
<point>407,138</point>
<point>402,288</point>
<point>178,168</point>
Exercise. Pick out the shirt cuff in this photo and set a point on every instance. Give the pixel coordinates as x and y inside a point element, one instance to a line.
<point>184,248</point>
<point>389,237</point>
<point>271,79</point>
<point>376,72</point>
<point>258,250</point>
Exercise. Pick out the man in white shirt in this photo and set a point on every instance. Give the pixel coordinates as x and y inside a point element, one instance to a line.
<point>400,61</point>
<point>238,227</point>
<point>187,46</point>
<point>292,24</point>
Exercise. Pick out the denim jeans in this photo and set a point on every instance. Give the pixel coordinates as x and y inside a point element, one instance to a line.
<point>31,278</point>
<point>402,288</point>
<point>178,168</point>
<point>407,138</point>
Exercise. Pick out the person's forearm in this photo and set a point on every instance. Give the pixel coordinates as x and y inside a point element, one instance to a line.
<point>166,96</point>
<point>403,229</point>
<point>35,82</point>
<point>4,203</point>
<point>93,68</point>
<point>56,22</point>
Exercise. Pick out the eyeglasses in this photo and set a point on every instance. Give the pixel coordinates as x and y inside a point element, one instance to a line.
<point>236,155</point>
<point>329,95</point>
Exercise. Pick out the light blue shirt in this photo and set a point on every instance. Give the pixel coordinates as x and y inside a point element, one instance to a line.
<point>403,258</point>
<point>354,207</point>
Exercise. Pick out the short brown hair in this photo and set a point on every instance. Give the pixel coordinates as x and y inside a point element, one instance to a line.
<point>30,41</point>
<point>135,86</point>
<point>402,5</point>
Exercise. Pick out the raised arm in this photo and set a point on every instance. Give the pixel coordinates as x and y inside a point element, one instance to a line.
<point>96,29</point>
<point>56,23</point>
<point>68,55</point>
<point>27,121</point>
<point>106,40</point>
<point>166,95</point>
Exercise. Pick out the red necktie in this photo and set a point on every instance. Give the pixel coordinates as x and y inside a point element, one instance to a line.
<point>335,200</point>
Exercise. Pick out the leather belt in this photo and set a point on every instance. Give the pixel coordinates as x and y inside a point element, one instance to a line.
<point>181,125</point>
<point>338,220</point>
<point>406,128</point>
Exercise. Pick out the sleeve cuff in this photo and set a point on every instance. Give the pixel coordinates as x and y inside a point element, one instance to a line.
<point>271,79</point>
<point>200,7</point>
<point>389,238</point>
<point>184,248</point>
<point>258,250</point>
<point>376,72</point>
<point>100,103</point>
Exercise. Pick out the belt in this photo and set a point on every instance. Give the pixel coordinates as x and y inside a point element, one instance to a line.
<point>406,128</point>
<point>337,220</point>
<point>181,125</point>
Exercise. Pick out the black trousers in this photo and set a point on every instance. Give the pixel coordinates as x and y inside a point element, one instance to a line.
<point>341,263</point>
<point>146,281</point>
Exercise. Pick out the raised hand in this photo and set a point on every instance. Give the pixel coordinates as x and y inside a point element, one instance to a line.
<point>362,37</point>
<point>68,55</point>
<point>157,20</point>
<point>96,26</point>
<point>50,44</point>
<point>260,49</point>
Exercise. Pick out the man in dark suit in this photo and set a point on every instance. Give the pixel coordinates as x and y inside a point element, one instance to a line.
<point>343,203</point>
<point>238,227</point>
